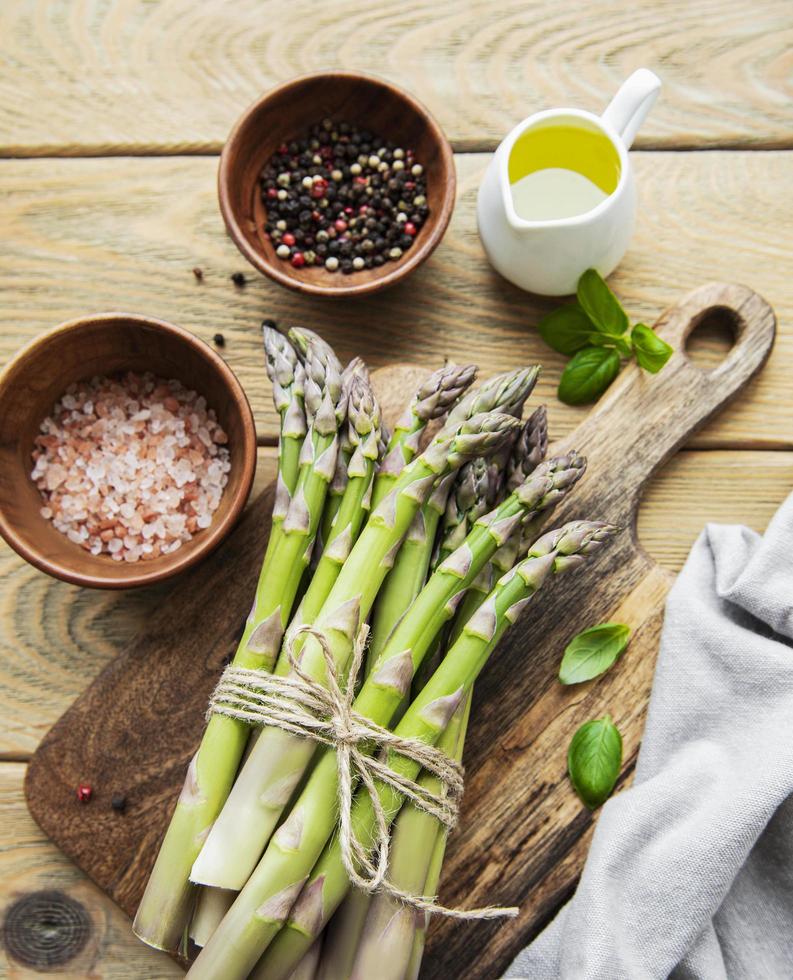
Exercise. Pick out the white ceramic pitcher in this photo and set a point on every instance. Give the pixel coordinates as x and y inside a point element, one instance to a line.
<point>549,256</point>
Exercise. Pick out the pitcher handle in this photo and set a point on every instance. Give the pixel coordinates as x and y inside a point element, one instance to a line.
<point>629,107</point>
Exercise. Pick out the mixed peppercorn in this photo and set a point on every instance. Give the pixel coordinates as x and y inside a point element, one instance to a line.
<point>343,198</point>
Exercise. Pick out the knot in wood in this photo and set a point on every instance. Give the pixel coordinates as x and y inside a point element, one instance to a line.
<point>45,929</point>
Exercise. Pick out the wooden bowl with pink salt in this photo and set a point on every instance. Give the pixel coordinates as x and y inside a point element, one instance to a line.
<point>127,451</point>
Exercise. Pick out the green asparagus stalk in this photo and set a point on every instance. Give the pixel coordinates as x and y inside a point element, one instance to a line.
<point>212,864</point>
<point>475,491</point>
<point>467,501</point>
<point>409,574</point>
<point>278,760</point>
<point>470,494</point>
<point>431,883</point>
<point>299,841</point>
<point>356,367</point>
<point>364,438</point>
<point>250,927</point>
<point>166,905</point>
<point>465,504</point>
<point>386,941</point>
<point>527,454</point>
<point>433,399</point>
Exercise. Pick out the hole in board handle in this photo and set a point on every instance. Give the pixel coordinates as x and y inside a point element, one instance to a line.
<point>712,338</point>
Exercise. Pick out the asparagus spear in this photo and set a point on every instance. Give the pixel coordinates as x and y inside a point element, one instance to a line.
<point>434,869</point>
<point>432,400</point>
<point>466,502</point>
<point>529,449</point>
<point>211,867</point>
<point>358,368</point>
<point>278,759</point>
<point>211,905</point>
<point>509,391</point>
<point>250,924</point>
<point>167,902</point>
<point>409,574</point>
<point>383,691</point>
<point>472,491</point>
<point>386,941</point>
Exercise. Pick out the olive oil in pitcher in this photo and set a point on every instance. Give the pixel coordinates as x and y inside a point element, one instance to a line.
<point>561,171</point>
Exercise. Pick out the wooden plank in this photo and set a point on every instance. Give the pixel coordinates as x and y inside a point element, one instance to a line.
<point>55,638</point>
<point>54,919</point>
<point>87,235</point>
<point>695,488</point>
<point>127,76</point>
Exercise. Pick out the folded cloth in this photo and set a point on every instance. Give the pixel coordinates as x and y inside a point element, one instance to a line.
<point>690,872</point>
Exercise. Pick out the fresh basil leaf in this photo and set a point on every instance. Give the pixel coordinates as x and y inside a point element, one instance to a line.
<point>651,352</point>
<point>600,304</point>
<point>592,652</point>
<point>567,329</point>
<point>594,760</point>
<point>588,375</point>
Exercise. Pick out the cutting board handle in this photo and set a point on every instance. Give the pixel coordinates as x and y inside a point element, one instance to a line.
<point>643,418</point>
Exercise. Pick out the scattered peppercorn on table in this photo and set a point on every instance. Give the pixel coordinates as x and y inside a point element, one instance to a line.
<point>111,120</point>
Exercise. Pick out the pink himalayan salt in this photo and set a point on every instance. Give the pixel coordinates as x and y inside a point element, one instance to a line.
<point>130,467</point>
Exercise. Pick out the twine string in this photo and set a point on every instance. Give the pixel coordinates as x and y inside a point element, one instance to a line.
<point>300,705</point>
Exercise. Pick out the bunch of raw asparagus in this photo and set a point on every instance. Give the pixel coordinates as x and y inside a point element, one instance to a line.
<point>439,550</point>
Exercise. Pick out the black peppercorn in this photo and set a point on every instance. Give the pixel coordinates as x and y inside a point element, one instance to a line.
<point>119,802</point>
<point>219,340</point>
<point>238,278</point>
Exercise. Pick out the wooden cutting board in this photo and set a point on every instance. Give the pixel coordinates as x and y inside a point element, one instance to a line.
<point>524,834</point>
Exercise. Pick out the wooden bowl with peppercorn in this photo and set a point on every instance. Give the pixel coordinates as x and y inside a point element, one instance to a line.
<point>336,184</point>
<point>127,451</point>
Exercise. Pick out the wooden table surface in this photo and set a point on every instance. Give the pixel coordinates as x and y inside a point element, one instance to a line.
<point>112,113</point>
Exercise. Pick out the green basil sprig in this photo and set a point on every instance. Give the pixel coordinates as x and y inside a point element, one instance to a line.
<point>594,331</point>
<point>594,760</point>
<point>592,652</point>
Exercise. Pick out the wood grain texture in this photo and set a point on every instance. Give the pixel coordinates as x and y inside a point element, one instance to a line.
<point>92,940</point>
<point>522,817</point>
<point>108,76</point>
<point>125,233</point>
<point>54,639</point>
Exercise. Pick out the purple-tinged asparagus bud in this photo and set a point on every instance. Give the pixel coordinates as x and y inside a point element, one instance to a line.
<point>529,449</point>
<point>441,390</point>
<point>504,393</point>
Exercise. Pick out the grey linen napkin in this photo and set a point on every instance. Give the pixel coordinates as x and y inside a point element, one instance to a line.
<point>690,872</point>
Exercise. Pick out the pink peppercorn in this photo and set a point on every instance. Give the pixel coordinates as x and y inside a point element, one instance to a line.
<point>340,225</point>
<point>84,792</point>
<point>319,188</point>
<point>288,238</point>
<point>298,260</point>
<point>272,193</point>
<point>410,228</point>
